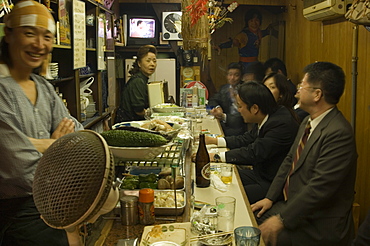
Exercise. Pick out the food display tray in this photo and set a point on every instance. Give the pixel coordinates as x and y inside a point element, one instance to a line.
<point>134,153</point>
<point>170,210</point>
<point>159,210</point>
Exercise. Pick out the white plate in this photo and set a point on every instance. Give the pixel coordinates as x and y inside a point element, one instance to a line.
<point>129,123</point>
<point>178,233</point>
<point>167,107</point>
<point>138,153</point>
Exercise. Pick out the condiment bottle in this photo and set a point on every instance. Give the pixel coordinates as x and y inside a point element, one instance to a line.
<point>195,99</point>
<point>202,164</point>
<point>146,206</point>
<point>129,210</point>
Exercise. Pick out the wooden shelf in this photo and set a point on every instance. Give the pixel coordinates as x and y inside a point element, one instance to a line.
<point>87,75</point>
<point>118,44</point>
<point>101,6</point>
<point>160,48</point>
<point>60,80</point>
<point>64,55</point>
<point>59,46</point>
<point>89,122</point>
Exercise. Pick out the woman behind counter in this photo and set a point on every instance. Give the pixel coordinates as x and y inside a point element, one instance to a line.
<point>134,96</point>
<point>32,117</point>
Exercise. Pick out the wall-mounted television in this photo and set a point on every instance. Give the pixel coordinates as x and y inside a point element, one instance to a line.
<point>142,30</point>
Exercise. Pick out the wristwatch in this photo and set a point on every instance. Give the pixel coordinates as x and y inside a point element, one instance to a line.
<point>217,158</point>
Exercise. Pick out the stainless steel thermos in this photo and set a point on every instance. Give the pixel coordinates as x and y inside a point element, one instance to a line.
<point>129,210</point>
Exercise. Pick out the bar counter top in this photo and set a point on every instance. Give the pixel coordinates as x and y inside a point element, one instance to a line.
<point>113,230</point>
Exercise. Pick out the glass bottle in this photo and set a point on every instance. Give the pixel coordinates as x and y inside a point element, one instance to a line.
<point>195,99</point>
<point>146,206</point>
<point>202,164</point>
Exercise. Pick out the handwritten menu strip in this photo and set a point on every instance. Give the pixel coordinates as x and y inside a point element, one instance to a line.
<point>101,42</point>
<point>79,37</point>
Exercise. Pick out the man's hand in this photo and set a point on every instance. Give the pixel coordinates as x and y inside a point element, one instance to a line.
<point>270,229</point>
<point>41,144</point>
<point>65,126</point>
<point>218,113</point>
<point>210,140</point>
<point>212,157</point>
<point>262,205</point>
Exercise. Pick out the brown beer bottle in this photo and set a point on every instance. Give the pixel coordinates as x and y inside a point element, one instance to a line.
<point>202,165</point>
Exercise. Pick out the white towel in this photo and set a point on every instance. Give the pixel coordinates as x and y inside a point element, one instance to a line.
<point>218,184</point>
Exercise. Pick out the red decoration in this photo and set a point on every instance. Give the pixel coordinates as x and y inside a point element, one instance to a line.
<point>196,10</point>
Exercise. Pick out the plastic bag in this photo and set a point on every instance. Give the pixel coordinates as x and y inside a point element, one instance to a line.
<point>84,87</point>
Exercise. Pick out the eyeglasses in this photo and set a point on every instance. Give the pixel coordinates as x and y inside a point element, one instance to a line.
<point>299,87</point>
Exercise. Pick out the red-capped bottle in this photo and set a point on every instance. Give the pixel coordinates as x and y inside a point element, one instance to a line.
<point>146,206</point>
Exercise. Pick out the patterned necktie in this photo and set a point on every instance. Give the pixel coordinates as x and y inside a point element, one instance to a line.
<point>296,157</point>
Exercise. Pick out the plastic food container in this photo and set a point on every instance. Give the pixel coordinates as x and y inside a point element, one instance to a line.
<point>168,195</point>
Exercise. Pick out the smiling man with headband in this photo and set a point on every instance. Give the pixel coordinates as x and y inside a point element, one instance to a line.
<point>32,117</point>
<point>30,13</point>
<point>25,14</point>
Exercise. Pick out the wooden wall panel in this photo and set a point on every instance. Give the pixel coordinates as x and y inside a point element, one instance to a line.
<point>363,122</point>
<point>308,41</point>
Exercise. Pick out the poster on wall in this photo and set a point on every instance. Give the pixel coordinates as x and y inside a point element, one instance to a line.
<point>64,26</point>
<point>79,35</point>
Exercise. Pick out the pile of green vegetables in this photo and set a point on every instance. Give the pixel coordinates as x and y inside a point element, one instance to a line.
<point>124,138</point>
<point>153,181</point>
<point>140,181</point>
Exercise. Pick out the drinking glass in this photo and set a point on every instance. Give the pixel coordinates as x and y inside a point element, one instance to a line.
<point>247,236</point>
<point>225,212</point>
<point>226,173</point>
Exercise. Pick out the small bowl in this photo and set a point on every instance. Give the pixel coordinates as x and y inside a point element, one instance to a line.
<point>221,240</point>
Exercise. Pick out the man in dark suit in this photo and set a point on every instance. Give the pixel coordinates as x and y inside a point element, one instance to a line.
<point>224,103</point>
<point>317,179</point>
<point>265,146</point>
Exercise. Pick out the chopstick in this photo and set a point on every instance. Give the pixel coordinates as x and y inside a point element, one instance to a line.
<point>196,238</point>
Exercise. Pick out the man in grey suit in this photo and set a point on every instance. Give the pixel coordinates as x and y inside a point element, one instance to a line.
<point>319,186</point>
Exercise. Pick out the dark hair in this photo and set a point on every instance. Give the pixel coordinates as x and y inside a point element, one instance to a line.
<point>276,64</point>
<point>142,52</point>
<point>4,49</point>
<point>257,69</point>
<point>329,77</point>
<point>281,83</point>
<point>236,65</point>
<point>286,97</point>
<point>139,22</point>
<point>254,92</point>
<point>250,14</point>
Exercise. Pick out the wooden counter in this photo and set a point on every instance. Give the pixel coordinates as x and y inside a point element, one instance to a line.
<point>235,189</point>
<point>114,230</point>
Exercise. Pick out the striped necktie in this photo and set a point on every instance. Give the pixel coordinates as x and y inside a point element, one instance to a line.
<point>301,145</point>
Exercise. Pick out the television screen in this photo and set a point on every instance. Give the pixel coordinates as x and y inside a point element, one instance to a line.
<point>142,28</point>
